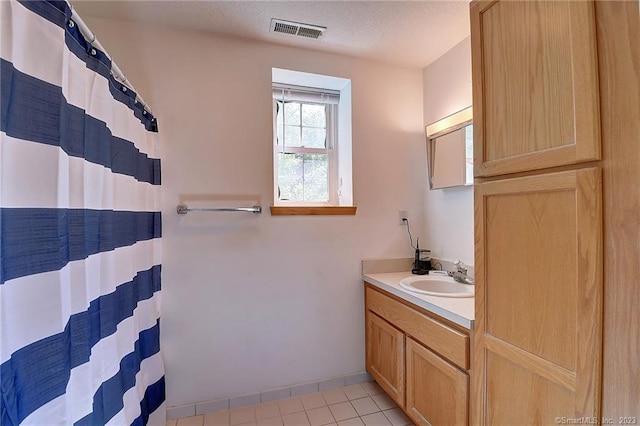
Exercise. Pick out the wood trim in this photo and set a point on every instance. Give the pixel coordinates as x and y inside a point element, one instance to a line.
<point>477,86</point>
<point>565,168</point>
<point>478,414</point>
<point>586,101</point>
<point>618,25</point>
<point>477,392</point>
<point>449,343</point>
<point>313,211</point>
<point>590,274</point>
<point>547,182</point>
<point>534,161</point>
<point>541,367</point>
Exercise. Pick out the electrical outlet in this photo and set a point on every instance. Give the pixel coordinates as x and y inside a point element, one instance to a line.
<point>404,215</point>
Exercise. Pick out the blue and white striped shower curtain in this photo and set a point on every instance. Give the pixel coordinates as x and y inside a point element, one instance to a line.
<point>80,230</point>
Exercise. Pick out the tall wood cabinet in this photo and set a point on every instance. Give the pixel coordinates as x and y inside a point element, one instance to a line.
<point>550,150</point>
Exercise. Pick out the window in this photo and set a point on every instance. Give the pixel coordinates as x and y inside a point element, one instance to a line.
<point>305,139</point>
<point>311,144</point>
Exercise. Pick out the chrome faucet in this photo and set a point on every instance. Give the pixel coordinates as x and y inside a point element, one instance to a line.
<point>460,274</point>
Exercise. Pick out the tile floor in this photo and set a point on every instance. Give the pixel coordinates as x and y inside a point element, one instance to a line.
<point>364,404</point>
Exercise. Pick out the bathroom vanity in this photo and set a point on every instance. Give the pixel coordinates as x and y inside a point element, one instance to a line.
<point>418,349</point>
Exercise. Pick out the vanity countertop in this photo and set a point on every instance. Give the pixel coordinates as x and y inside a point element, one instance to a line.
<point>456,309</point>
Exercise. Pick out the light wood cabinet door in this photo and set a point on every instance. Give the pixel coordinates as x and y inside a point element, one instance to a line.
<point>535,85</point>
<point>385,356</point>
<point>538,324</point>
<point>437,392</point>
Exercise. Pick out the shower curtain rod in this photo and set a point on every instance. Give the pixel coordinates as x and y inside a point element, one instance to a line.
<point>115,70</point>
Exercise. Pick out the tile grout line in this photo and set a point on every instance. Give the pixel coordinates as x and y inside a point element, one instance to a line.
<point>358,391</point>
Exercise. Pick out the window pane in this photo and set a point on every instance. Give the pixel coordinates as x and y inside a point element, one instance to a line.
<point>313,138</point>
<point>290,180</point>
<point>313,115</point>
<point>316,177</point>
<point>292,136</point>
<point>279,121</point>
<point>292,113</point>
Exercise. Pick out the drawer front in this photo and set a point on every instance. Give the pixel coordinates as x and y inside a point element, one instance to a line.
<point>449,343</point>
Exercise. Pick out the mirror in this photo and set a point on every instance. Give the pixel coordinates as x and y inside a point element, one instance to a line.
<point>450,150</point>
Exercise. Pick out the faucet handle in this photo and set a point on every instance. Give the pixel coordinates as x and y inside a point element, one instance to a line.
<point>460,266</point>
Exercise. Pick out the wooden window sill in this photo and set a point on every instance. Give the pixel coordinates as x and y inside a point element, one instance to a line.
<point>313,211</point>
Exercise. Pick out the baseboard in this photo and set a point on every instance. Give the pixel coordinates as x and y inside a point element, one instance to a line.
<point>204,407</point>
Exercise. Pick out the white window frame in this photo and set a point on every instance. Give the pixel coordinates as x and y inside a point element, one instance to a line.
<point>331,149</point>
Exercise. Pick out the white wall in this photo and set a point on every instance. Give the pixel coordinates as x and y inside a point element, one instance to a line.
<point>448,219</point>
<point>255,302</point>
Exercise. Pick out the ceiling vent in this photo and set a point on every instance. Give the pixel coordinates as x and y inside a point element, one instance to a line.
<point>296,28</point>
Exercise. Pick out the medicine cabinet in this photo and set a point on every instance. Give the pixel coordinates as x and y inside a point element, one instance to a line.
<point>450,150</point>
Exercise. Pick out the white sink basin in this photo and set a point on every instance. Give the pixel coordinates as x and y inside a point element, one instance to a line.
<point>437,286</point>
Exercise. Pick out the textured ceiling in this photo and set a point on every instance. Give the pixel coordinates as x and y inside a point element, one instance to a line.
<point>410,33</point>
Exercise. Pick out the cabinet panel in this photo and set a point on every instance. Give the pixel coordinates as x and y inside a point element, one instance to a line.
<point>539,291</point>
<point>385,356</point>
<point>437,392</point>
<point>535,85</point>
<point>539,400</point>
<point>537,270</point>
